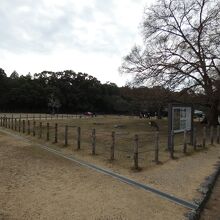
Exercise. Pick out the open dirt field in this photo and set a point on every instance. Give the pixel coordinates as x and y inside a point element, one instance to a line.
<point>61,188</point>
<point>125,128</point>
<point>35,184</point>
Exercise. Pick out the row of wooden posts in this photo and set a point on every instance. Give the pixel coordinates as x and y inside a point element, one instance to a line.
<point>24,126</point>
<point>195,142</point>
<point>42,116</point>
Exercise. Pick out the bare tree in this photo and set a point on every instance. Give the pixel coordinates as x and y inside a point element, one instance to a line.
<point>181,49</point>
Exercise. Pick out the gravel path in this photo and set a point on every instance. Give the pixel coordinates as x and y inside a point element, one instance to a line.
<point>35,184</point>
<point>182,177</point>
<point>212,209</point>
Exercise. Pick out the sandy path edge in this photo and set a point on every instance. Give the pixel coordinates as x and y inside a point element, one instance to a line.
<point>38,185</point>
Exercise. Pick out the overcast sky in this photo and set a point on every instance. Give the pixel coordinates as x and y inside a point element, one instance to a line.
<point>90,36</point>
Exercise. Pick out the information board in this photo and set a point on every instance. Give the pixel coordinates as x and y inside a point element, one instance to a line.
<point>181,119</point>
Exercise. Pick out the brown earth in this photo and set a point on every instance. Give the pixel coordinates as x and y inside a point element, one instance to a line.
<point>35,184</point>
<point>212,209</point>
<point>49,181</point>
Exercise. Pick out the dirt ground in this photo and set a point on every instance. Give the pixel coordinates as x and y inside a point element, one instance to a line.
<point>212,209</point>
<point>125,127</point>
<point>180,177</point>
<point>35,184</point>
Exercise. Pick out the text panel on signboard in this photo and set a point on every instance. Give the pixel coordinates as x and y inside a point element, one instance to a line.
<point>181,119</point>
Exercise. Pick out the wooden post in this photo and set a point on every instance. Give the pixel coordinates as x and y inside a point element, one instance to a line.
<point>48,131</point>
<point>55,134</point>
<point>12,122</point>
<point>172,145</point>
<point>156,156</point>
<point>78,138</point>
<point>40,130</point>
<point>34,128</point>
<point>6,122</point>
<point>1,121</point>
<point>194,138</point>
<point>217,136</point>
<point>185,141</point>
<point>19,125</point>
<point>93,141</point>
<point>23,126</point>
<point>15,124</point>
<point>29,129</point>
<point>9,122</point>
<point>112,157</point>
<point>204,137</point>
<point>136,152</point>
<point>211,135</point>
<point>66,135</point>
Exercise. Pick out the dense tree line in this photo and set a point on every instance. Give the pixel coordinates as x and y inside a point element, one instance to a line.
<point>67,91</point>
<point>70,92</point>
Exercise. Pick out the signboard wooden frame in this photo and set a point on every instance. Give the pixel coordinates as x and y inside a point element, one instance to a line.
<point>180,118</point>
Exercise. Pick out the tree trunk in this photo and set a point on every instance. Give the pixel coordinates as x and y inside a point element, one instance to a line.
<point>212,114</point>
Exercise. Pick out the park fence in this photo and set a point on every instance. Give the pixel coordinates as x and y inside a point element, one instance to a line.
<point>133,150</point>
